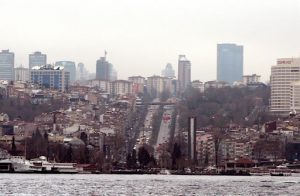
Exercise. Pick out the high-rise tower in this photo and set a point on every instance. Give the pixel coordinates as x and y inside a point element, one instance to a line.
<point>37,59</point>
<point>7,61</point>
<point>184,72</point>
<point>229,63</point>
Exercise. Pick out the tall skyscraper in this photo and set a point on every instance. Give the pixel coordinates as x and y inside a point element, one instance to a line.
<point>37,59</point>
<point>168,71</point>
<point>7,62</point>
<point>104,69</point>
<point>284,78</point>
<point>184,72</point>
<point>69,67</point>
<point>229,63</point>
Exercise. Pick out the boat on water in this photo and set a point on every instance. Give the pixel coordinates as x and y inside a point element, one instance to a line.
<point>41,165</point>
<point>164,172</point>
<point>277,172</point>
<point>18,164</point>
<point>15,164</point>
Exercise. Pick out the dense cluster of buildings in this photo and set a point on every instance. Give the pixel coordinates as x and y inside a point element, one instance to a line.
<point>101,106</point>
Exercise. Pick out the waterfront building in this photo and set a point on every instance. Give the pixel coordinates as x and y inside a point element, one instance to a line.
<point>52,77</point>
<point>229,63</point>
<point>104,69</point>
<point>283,76</point>
<point>21,74</point>
<point>138,83</point>
<point>70,67</point>
<point>7,63</point>
<point>168,71</point>
<point>37,59</point>
<point>184,72</point>
<point>205,147</point>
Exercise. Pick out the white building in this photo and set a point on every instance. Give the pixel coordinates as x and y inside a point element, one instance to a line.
<point>103,85</point>
<point>184,72</point>
<point>121,87</point>
<point>198,85</point>
<point>251,79</point>
<point>283,76</point>
<point>138,83</point>
<point>155,85</point>
<point>295,87</point>
<point>21,74</point>
<point>215,84</point>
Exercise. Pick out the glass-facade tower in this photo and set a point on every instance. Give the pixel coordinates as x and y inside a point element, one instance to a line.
<point>229,63</point>
<point>7,61</point>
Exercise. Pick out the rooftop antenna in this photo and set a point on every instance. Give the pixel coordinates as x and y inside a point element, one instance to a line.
<point>105,54</point>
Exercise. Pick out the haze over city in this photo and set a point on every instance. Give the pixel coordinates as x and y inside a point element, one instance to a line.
<point>141,37</point>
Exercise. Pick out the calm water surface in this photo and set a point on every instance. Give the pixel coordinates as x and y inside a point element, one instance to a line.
<point>84,184</point>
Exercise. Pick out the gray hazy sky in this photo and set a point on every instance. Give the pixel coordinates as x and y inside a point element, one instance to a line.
<point>142,36</point>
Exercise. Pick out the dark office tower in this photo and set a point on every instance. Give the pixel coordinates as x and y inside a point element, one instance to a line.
<point>192,126</point>
<point>37,59</point>
<point>70,67</point>
<point>184,73</point>
<point>104,69</point>
<point>7,61</point>
<point>229,63</point>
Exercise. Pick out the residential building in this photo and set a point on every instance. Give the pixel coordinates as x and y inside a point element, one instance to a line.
<point>21,74</point>
<point>251,79</point>
<point>155,85</point>
<point>168,71</point>
<point>48,76</point>
<point>184,72</point>
<point>70,67</point>
<point>138,83</point>
<point>229,63</point>
<point>7,63</point>
<point>103,85</point>
<point>205,148</point>
<point>121,87</point>
<point>283,76</point>
<point>37,59</point>
<point>215,84</point>
<point>196,84</point>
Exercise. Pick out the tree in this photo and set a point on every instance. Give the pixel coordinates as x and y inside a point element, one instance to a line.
<point>84,137</point>
<point>143,156</point>
<point>128,160</point>
<point>133,158</point>
<point>176,154</point>
<point>13,147</point>
<point>69,155</point>
<point>217,138</point>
